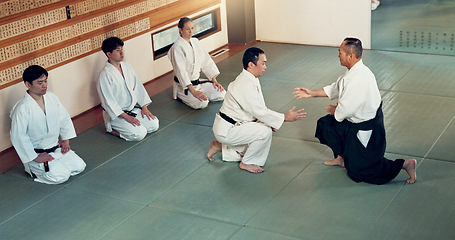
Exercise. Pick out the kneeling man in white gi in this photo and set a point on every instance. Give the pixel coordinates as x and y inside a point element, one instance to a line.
<point>123,97</point>
<point>244,125</point>
<point>40,132</point>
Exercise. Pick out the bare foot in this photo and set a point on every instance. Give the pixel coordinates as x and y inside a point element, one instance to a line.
<point>250,168</point>
<point>114,132</point>
<point>215,147</point>
<point>338,161</point>
<point>410,167</point>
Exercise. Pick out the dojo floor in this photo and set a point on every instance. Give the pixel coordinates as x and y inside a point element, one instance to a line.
<point>164,188</point>
<point>425,26</point>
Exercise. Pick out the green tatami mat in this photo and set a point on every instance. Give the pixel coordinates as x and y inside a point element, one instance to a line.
<point>68,215</point>
<point>220,190</point>
<point>306,65</point>
<point>204,117</point>
<point>159,224</point>
<point>153,166</point>
<point>274,99</point>
<point>423,210</point>
<point>429,80</point>
<point>165,107</point>
<point>250,233</point>
<point>413,122</point>
<point>424,26</point>
<point>389,67</point>
<point>18,194</point>
<point>445,148</point>
<point>107,147</point>
<point>276,51</point>
<point>323,203</point>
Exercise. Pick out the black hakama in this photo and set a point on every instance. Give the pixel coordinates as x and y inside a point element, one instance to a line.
<point>362,164</point>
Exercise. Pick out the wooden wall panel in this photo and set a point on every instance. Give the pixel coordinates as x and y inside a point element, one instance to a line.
<point>52,33</point>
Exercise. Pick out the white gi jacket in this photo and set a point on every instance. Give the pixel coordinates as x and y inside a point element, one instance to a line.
<point>358,94</point>
<point>188,61</point>
<point>118,93</point>
<point>31,128</point>
<point>244,102</point>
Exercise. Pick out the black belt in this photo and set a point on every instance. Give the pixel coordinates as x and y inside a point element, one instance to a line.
<point>194,83</point>
<point>49,150</point>
<point>130,112</point>
<point>227,118</point>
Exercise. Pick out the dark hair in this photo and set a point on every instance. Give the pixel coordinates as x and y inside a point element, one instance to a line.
<point>353,45</point>
<point>251,55</point>
<point>110,44</point>
<point>33,72</point>
<point>182,22</point>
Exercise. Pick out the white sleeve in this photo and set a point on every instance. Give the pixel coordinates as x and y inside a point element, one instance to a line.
<point>21,141</point>
<point>252,102</point>
<point>108,100</point>
<point>142,96</point>
<point>67,130</point>
<point>332,90</point>
<point>178,60</point>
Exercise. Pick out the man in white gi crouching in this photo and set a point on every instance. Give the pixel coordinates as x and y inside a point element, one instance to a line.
<point>123,97</point>
<point>244,125</point>
<point>40,132</point>
<point>188,58</point>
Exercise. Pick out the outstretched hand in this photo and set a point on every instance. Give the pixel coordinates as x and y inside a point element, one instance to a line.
<point>302,93</point>
<point>292,115</point>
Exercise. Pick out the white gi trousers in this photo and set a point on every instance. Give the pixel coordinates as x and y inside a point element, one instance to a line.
<point>127,130</point>
<point>60,169</point>
<point>248,142</point>
<point>207,88</point>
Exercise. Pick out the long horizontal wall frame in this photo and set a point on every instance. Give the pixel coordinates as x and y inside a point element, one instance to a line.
<point>53,33</point>
<point>204,25</point>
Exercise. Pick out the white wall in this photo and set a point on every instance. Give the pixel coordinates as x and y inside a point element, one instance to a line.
<point>321,22</point>
<point>75,83</point>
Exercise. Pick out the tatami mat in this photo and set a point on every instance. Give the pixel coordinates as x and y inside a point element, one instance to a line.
<point>250,233</point>
<point>163,187</point>
<point>323,203</point>
<point>68,214</point>
<point>444,147</point>
<point>19,194</point>
<point>243,194</point>
<point>414,122</point>
<point>158,224</point>
<point>421,211</point>
<point>145,172</point>
<point>423,26</point>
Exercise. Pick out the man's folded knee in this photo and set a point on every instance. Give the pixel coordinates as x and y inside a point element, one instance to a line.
<point>135,137</point>
<point>153,126</point>
<point>55,178</point>
<point>200,104</point>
